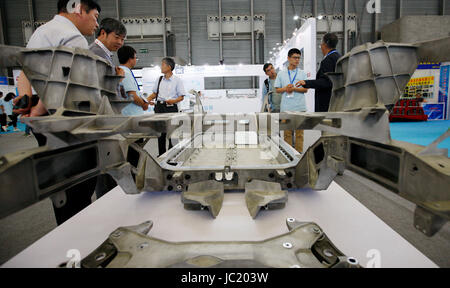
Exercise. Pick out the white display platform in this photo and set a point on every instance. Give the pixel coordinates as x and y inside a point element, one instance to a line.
<point>350,226</point>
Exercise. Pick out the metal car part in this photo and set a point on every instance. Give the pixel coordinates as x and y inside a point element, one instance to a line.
<point>207,194</point>
<point>76,82</point>
<point>355,136</point>
<point>261,194</point>
<point>304,246</point>
<point>378,71</point>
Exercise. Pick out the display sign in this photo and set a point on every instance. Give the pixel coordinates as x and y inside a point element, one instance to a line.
<point>3,80</point>
<point>424,84</point>
<point>444,88</point>
<point>434,111</point>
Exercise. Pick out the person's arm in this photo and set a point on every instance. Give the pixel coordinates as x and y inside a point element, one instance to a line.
<point>120,72</point>
<point>175,101</point>
<point>278,86</point>
<point>138,100</point>
<point>266,101</point>
<point>287,89</point>
<point>132,90</point>
<point>264,90</point>
<point>180,94</point>
<point>23,87</point>
<point>38,110</point>
<point>151,97</point>
<point>300,90</point>
<point>323,82</point>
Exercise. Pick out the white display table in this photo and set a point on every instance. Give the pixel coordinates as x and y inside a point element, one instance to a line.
<point>349,225</point>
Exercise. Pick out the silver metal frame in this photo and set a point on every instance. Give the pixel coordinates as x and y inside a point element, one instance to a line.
<point>368,81</point>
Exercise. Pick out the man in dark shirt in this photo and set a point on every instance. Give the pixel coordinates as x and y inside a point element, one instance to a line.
<point>323,84</point>
<point>110,38</point>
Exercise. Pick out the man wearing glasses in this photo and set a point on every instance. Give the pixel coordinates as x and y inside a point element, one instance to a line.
<point>323,84</point>
<point>167,93</point>
<point>293,98</point>
<point>128,60</point>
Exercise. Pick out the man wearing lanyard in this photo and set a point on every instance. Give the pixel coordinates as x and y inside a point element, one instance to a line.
<point>168,91</point>
<point>128,60</point>
<point>323,84</point>
<point>293,98</point>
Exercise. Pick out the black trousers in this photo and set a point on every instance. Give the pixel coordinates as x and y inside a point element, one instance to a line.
<point>163,108</point>
<point>13,118</point>
<point>3,119</point>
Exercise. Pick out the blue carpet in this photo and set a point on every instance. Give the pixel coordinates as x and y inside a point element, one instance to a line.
<point>20,126</point>
<point>421,133</point>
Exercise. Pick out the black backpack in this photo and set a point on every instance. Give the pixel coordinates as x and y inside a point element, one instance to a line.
<point>266,82</point>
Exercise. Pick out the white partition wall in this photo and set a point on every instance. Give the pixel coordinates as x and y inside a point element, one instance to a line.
<point>215,101</point>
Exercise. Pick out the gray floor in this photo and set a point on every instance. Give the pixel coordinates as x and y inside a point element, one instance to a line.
<point>21,229</point>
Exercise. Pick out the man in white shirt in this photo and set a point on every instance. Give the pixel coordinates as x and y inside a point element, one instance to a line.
<point>168,91</point>
<point>66,29</point>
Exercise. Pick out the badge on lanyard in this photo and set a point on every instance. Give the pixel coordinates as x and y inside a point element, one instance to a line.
<point>292,81</point>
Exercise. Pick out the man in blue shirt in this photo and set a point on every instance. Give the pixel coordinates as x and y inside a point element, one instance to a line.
<point>128,60</point>
<point>293,98</point>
